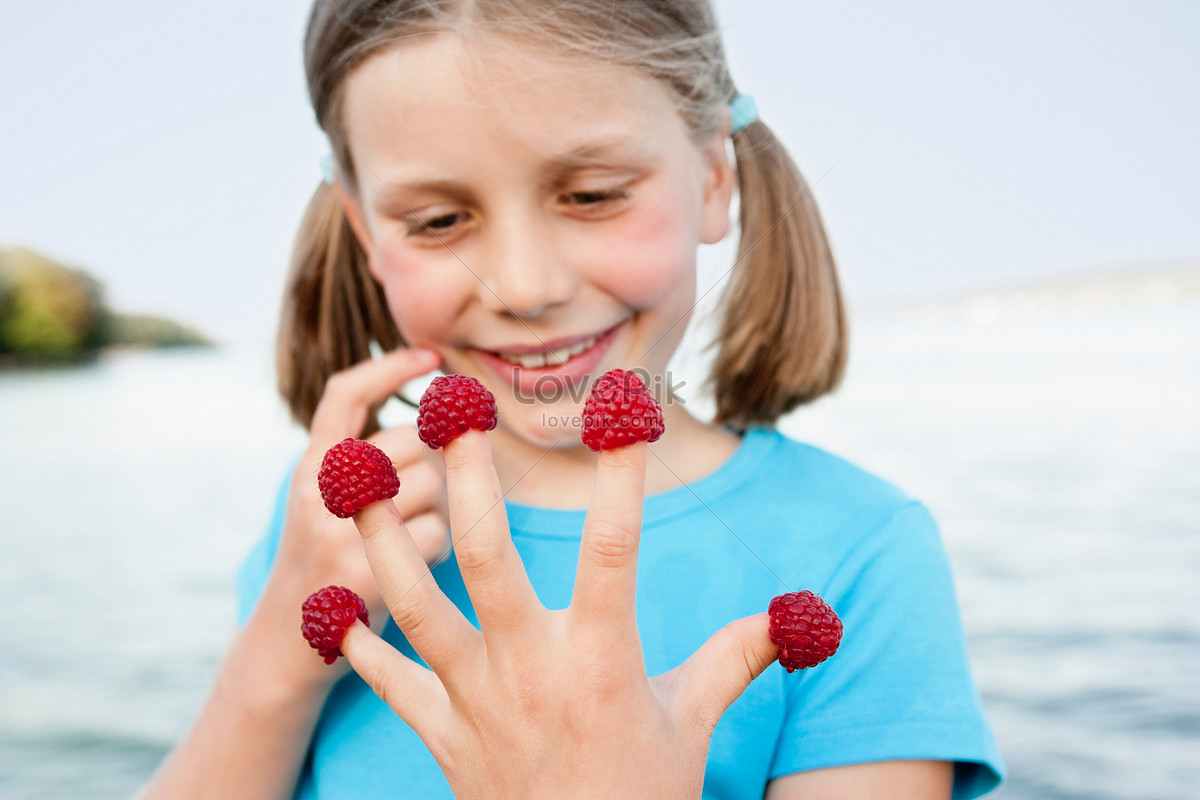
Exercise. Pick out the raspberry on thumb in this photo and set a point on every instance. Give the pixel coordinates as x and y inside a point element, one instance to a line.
<point>804,628</point>
<point>326,615</point>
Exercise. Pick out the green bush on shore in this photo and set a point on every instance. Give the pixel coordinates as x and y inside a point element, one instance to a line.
<point>52,313</point>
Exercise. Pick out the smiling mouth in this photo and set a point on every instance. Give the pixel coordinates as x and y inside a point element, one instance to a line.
<point>552,358</point>
<point>544,357</point>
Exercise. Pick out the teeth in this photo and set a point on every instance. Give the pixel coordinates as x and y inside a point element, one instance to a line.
<point>552,358</point>
<point>532,360</point>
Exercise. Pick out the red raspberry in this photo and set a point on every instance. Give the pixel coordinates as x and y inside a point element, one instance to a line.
<point>620,411</point>
<point>355,474</point>
<point>805,628</point>
<point>327,614</point>
<point>452,405</point>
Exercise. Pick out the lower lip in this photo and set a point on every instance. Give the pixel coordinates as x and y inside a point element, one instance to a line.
<point>548,382</point>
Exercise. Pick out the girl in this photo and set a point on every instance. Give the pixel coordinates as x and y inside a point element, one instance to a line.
<point>519,191</point>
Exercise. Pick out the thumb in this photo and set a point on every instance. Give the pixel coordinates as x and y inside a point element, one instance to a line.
<point>350,394</point>
<point>723,667</point>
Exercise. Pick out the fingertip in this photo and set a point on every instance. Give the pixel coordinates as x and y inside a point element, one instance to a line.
<point>425,355</point>
<point>377,517</point>
<point>414,361</point>
<point>754,633</point>
<point>466,448</point>
<point>367,655</point>
<point>353,644</point>
<point>628,457</point>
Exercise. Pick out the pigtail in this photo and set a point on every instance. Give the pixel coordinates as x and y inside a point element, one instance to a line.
<point>332,309</point>
<point>783,338</point>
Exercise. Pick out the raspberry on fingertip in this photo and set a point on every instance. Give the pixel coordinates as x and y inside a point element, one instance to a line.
<point>453,405</point>
<point>804,628</point>
<point>353,474</point>
<point>326,615</point>
<point>620,411</point>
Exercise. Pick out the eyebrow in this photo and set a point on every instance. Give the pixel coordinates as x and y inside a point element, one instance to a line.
<point>393,191</point>
<point>590,154</point>
<point>599,151</point>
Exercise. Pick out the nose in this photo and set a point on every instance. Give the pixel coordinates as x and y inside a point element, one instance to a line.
<point>523,274</point>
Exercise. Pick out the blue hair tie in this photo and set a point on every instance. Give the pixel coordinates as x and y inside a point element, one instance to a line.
<point>742,110</point>
<point>326,162</point>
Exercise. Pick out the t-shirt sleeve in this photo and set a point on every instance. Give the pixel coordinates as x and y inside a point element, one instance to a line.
<point>900,686</point>
<point>252,575</point>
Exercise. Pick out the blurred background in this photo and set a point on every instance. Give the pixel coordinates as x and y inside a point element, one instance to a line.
<point>1012,192</point>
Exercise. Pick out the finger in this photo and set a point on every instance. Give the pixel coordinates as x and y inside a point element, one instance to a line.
<point>606,578</point>
<point>491,568</point>
<point>350,394</point>
<point>722,668</point>
<point>435,628</point>
<point>422,488</point>
<point>402,444</point>
<point>412,691</point>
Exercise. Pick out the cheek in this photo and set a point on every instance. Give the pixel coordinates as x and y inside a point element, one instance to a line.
<point>424,301</point>
<point>650,260</point>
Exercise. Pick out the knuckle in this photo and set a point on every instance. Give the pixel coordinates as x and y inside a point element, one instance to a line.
<point>412,617</point>
<point>611,544</point>
<point>599,677</point>
<point>480,558</point>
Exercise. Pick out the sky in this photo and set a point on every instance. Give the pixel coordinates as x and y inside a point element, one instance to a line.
<point>169,149</point>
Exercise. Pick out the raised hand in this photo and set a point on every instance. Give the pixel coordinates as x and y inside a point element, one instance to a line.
<point>250,739</point>
<point>541,703</point>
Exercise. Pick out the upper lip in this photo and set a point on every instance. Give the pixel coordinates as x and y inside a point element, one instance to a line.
<point>549,345</point>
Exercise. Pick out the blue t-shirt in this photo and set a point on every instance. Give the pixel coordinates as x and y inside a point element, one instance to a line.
<point>777,516</point>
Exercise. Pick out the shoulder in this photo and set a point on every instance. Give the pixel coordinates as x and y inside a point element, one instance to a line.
<point>821,468</point>
<point>809,515</point>
<point>802,479</point>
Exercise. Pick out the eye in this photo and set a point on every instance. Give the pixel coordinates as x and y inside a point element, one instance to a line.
<point>595,203</point>
<point>435,225</point>
<point>591,198</point>
<point>596,197</point>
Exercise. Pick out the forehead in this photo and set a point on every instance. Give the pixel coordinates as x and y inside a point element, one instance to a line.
<point>444,94</point>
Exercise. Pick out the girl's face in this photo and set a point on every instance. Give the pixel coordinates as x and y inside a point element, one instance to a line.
<point>533,220</point>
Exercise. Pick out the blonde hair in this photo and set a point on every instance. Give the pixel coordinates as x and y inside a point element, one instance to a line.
<point>782,338</point>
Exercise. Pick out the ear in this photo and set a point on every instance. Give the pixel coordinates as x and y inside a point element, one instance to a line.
<point>719,179</point>
<point>354,216</point>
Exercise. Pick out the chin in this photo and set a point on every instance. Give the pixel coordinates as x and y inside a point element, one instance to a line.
<point>547,429</point>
